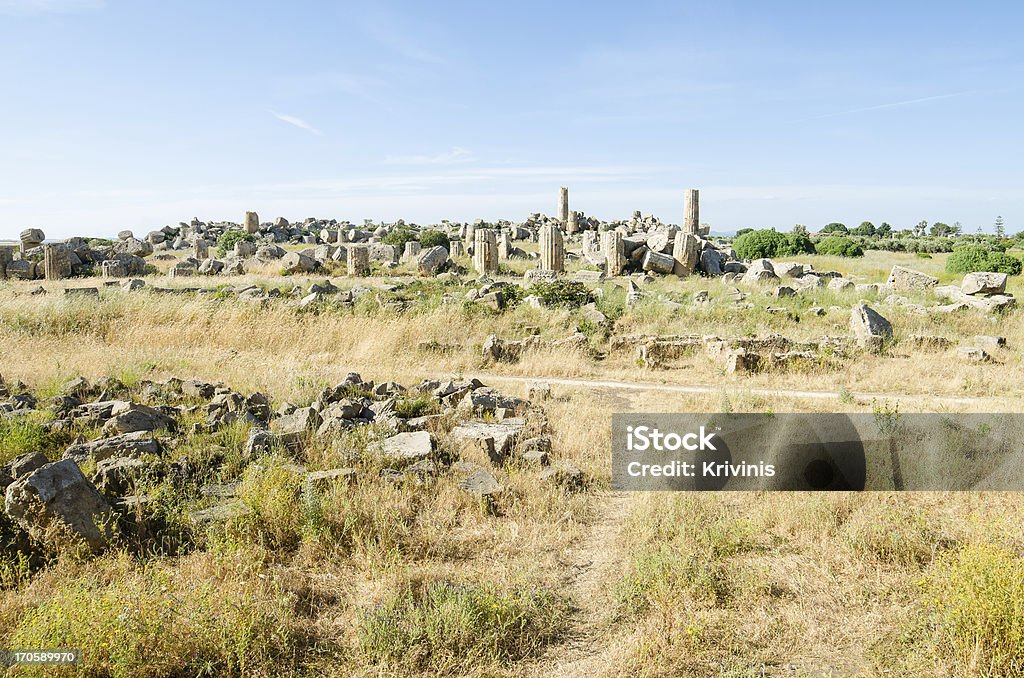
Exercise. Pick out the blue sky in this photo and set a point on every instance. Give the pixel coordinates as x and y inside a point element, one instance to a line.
<point>137,113</point>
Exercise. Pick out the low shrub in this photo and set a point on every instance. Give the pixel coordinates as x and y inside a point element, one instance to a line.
<point>839,246</point>
<point>974,258</point>
<point>228,239</point>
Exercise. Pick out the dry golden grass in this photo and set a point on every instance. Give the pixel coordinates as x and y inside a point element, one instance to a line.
<point>691,585</point>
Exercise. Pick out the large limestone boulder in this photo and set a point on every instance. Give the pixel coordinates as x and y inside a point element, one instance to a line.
<point>408,447</point>
<point>431,261</point>
<point>132,417</point>
<point>56,504</point>
<point>868,328</point>
<point>984,283</point>
<point>901,278</point>
<point>294,262</point>
<point>759,271</point>
<point>656,262</point>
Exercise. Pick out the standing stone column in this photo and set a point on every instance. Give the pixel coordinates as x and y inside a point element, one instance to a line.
<point>590,243</point>
<point>574,223</point>
<point>456,248</point>
<point>485,251</point>
<point>359,260</point>
<point>685,250</point>
<point>563,205</point>
<point>201,249</point>
<point>691,215</point>
<point>56,262</point>
<point>470,238</point>
<point>614,252</point>
<point>252,222</point>
<point>504,245</point>
<point>552,249</point>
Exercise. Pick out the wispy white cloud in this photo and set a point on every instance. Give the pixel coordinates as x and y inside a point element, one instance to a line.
<point>32,7</point>
<point>297,122</point>
<point>456,155</point>
<point>894,104</point>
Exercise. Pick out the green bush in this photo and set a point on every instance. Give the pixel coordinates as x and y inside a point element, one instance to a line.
<point>797,243</point>
<point>973,258</point>
<point>563,293</point>
<point>228,239</point>
<point>432,238</point>
<point>399,236</point>
<point>761,244</point>
<point>839,246</point>
<point>1001,262</point>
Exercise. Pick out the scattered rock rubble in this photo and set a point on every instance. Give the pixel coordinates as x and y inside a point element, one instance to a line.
<point>55,503</point>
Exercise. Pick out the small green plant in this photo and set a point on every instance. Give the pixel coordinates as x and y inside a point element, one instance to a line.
<point>562,293</point>
<point>21,435</point>
<point>413,407</point>
<point>228,239</point>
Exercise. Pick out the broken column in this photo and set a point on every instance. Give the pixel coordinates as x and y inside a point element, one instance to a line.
<point>552,248</point>
<point>412,249</point>
<point>685,251</point>
<point>456,248</point>
<point>614,252</point>
<point>574,222</point>
<point>252,222</point>
<point>563,205</point>
<point>56,261</point>
<point>201,249</point>
<point>359,260</point>
<point>485,251</point>
<point>691,215</point>
<point>31,237</point>
<point>504,245</point>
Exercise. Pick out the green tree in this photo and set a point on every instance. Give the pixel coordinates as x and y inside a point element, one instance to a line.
<point>940,229</point>
<point>799,229</point>
<point>866,228</point>
<point>884,231</point>
<point>1000,228</point>
<point>835,227</point>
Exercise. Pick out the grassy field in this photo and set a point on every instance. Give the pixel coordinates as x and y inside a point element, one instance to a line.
<point>379,579</point>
